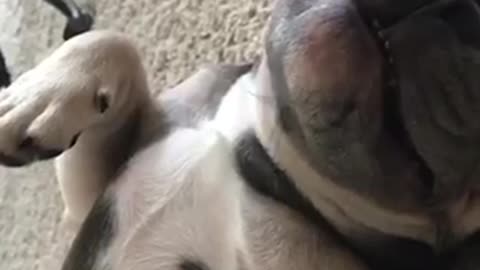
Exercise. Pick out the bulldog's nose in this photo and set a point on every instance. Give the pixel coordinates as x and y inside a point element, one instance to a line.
<point>30,146</point>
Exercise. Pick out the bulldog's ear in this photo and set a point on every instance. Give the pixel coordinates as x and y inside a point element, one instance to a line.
<point>464,18</point>
<point>387,12</point>
<point>435,63</point>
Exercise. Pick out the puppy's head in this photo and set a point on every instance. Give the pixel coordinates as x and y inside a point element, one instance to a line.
<point>382,96</point>
<point>91,85</point>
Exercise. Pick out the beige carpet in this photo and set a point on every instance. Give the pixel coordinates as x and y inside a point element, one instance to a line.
<point>175,36</point>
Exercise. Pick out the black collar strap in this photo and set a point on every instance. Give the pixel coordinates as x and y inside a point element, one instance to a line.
<point>380,252</point>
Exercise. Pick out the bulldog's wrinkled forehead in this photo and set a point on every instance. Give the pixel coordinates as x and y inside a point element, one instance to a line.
<point>322,57</point>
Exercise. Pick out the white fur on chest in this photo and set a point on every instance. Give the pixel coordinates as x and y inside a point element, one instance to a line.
<point>179,199</point>
<point>185,188</point>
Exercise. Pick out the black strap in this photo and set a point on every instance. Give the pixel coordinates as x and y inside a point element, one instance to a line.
<point>379,251</point>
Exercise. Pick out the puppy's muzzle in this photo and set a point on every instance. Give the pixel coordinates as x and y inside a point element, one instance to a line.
<point>30,150</point>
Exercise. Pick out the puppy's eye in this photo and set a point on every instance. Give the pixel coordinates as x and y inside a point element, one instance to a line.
<point>101,102</point>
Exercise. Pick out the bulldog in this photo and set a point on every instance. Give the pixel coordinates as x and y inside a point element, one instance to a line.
<point>353,143</point>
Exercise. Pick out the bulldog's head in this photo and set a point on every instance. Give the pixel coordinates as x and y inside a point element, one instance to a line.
<point>383,96</point>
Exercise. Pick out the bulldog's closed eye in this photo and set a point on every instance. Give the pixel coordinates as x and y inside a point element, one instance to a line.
<point>101,102</point>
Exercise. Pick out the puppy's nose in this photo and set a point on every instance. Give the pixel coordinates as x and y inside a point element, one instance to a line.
<point>30,146</point>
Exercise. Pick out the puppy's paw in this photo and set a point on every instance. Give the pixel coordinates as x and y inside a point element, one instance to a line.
<point>43,113</point>
<point>84,82</point>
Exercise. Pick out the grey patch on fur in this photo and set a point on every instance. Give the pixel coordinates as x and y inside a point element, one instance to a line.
<point>133,138</point>
<point>192,265</point>
<point>94,237</point>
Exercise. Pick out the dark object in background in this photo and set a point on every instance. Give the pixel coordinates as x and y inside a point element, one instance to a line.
<point>78,22</point>
<point>4,74</point>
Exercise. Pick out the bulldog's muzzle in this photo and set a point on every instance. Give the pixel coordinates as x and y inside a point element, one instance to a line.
<point>384,92</point>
